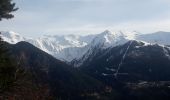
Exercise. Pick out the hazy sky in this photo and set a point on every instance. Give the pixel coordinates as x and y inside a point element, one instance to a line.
<point>37,17</point>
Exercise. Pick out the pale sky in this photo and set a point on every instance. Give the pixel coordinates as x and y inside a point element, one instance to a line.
<point>38,17</point>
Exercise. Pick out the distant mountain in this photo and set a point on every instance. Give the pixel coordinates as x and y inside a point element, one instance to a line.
<point>71,47</point>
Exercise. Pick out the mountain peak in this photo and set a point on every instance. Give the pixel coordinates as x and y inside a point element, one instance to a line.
<point>106,32</point>
<point>108,39</point>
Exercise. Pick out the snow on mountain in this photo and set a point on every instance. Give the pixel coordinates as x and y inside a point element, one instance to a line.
<point>103,40</point>
<point>65,48</point>
<point>109,39</point>
<point>70,47</point>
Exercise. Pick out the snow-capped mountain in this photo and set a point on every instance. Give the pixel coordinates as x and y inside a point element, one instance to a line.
<point>70,47</point>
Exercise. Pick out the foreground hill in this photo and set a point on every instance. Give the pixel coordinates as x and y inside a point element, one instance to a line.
<point>55,78</point>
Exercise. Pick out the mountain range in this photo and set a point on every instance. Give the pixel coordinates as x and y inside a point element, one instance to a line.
<point>73,47</point>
